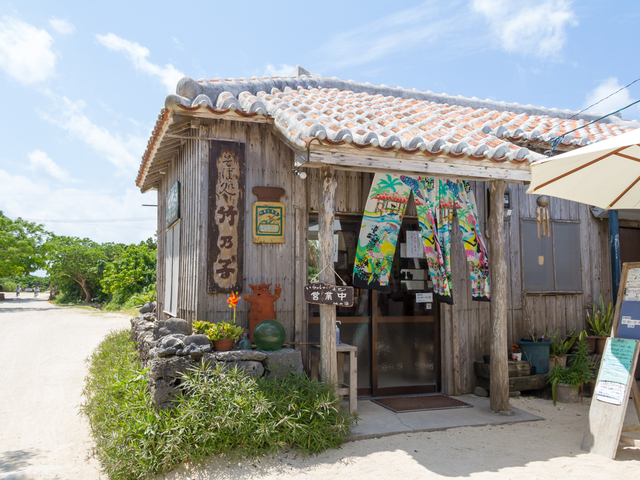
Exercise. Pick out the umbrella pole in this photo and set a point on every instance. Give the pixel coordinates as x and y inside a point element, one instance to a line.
<point>614,243</point>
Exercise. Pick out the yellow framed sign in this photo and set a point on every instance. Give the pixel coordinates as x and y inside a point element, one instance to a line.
<point>268,222</point>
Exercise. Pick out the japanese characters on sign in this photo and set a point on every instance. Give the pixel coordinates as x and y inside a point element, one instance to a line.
<point>268,222</point>
<point>226,216</point>
<point>326,294</point>
<point>173,204</point>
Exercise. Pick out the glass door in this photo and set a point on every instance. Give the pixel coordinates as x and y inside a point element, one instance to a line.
<point>396,333</point>
<point>405,334</point>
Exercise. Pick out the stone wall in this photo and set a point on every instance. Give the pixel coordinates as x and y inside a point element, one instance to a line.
<point>168,348</point>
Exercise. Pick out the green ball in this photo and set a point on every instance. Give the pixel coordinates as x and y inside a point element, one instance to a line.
<point>269,335</point>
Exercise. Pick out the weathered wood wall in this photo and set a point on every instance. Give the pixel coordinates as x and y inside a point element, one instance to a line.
<point>187,169</point>
<point>268,163</point>
<point>465,332</point>
<point>464,328</point>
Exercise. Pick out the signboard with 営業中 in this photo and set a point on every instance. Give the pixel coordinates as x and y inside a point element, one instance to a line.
<point>322,293</point>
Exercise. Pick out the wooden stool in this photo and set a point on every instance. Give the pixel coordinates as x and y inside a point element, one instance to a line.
<point>352,388</point>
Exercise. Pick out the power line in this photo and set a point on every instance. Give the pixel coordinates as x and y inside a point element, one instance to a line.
<point>603,99</point>
<point>66,194</point>
<point>92,220</point>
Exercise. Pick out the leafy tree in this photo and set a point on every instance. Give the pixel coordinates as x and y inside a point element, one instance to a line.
<point>21,246</point>
<point>132,272</point>
<point>80,262</point>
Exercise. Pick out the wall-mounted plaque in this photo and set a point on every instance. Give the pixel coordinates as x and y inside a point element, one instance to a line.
<point>173,204</point>
<point>226,217</point>
<point>268,222</point>
<point>268,215</point>
<point>322,293</point>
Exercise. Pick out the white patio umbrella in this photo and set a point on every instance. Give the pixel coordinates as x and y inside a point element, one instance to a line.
<point>605,174</point>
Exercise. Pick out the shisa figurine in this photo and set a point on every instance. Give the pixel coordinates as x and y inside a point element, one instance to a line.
<point>261,302</point>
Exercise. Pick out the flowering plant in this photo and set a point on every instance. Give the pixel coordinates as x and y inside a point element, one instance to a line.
<point>223,331</point>
<point>233,301</point>
<point>516,348</point>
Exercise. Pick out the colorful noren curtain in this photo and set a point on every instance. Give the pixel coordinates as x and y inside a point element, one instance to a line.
<point>436,200</point>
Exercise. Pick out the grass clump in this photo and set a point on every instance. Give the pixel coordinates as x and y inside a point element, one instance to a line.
<point>220,411</point>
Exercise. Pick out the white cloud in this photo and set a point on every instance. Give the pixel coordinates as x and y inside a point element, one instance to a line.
<point>125,154</point>
<point>615,102</point>
<point>284,71</point>
<point>37,200</point>
<point>40,162</point>
<point>397,33</point>
<point>534,27</point>
<point>63,27</point>
<point>138,54</point>
<point>25,51</point>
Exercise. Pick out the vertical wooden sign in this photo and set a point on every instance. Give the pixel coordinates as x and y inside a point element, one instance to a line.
<point>226,217</point>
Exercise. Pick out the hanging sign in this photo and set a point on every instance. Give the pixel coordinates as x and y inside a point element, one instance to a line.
<point>225,244</point>
<point>173,204</point>
<point>322,293</point>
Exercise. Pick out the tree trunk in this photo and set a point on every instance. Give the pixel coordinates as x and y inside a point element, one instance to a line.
<point>499,385</point>
<point>87,293</point>
<point>328,355</point>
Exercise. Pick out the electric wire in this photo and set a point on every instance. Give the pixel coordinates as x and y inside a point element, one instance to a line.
<point>603,99</point>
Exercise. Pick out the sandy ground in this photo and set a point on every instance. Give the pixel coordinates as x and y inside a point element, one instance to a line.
<point>42,437</point>
<point>42,370</point>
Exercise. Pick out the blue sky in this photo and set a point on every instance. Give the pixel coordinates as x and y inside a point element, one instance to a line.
<point>83,82</point>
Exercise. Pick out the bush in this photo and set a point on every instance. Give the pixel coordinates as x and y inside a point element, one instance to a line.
<point>220,411</point>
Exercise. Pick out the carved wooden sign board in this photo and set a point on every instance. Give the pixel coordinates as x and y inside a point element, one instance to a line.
<point>173,204</point>
<point>616,376</point>
<point>322,293</point>
<point>225,246</point>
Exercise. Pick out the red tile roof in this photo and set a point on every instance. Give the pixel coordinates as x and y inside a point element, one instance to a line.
<point>336,112</point>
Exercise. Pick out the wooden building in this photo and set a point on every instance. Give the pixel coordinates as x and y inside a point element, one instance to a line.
<point>339,133</point>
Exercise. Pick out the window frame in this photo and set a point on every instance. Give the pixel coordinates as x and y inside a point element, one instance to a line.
<point>553,248</point>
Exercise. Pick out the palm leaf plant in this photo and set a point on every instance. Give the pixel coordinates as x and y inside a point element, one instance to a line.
<point>577,374</point>
<point>600,319</point>
<point>560,346</point>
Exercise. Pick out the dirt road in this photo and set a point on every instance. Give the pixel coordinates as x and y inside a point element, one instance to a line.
<point>42,370</point>
<point>42,352</point>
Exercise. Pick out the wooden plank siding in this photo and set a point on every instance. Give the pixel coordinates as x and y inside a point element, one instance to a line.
<point>269,162</point>
<point>464,326</point>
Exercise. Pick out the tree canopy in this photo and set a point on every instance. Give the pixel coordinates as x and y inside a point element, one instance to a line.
<point>80,261</point>
<point>131,272</point>
<point>22,246</point>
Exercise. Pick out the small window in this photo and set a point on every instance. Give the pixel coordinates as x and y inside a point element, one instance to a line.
<point>551,264</point>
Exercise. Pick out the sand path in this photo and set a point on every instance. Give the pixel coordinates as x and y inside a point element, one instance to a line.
<point>42,437</point>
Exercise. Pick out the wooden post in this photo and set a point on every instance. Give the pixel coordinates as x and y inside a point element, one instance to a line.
<point>328,355</point>
<point>499,386</point>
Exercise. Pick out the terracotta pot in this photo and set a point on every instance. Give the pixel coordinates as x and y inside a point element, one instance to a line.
<point>223,345</point>
<point>558,361</point>
<point>600,344</point>
<point>591,342</point>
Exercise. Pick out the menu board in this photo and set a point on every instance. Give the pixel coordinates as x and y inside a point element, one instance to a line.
<point>629,322</point>
<point>614,371</point>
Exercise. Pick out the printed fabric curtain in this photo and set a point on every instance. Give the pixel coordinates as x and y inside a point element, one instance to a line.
<point>436,200</point>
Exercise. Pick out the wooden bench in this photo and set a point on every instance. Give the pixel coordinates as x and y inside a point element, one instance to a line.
<point>343,351</point>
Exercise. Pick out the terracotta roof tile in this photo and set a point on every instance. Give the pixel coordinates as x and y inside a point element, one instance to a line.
<point>313,106</point>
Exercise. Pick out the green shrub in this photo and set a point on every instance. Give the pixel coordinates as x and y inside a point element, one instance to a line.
<point>219,412</point>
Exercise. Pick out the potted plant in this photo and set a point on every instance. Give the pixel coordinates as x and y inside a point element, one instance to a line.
<point>600,321</point>
<point>535,348</point>
<point>560,347</point>
<point>516,352</point>
<point>224,335</point>
<point>567,381</point>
